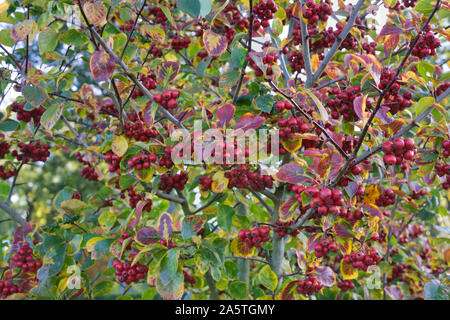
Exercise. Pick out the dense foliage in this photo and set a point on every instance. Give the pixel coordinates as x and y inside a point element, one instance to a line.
<point>96,95</point>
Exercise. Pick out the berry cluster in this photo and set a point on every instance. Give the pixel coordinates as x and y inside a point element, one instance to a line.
<point>169,244</point>
<point>242,178</point>
<point>142,162</point>
<point>415,231</point>
<point>445,146</point>
<point>158,14</point>
<point>4,148</point>
<point>326,200</point>
<point>24,259</point>
<point>360,260</point>
<point>167,99</point>
<point>89,173</point>
<point>264,11</point>
<point>127,273</point>
<point>393,99</point>
<point>254,237</point>
<point>325,246</point>
<point>114,162</point>
<point>342,104</point>
<point>180,44</point>
<point>314,12</point>
<point>32,152</point>
<point>205,183</point>
<point>442,88</point>
<point>166,159</point>
<point>369,47</point>
<point>282,228</point>
<point>188,278</point>
<point>177,181</point>
<point>134,197</point>
<point>7,288</point>
<point>27,116</point>
<point>148,81</point>
<point>135,128</point>
<point>269,60</point>
<point>309,286</point>
<point>386,198</point>
<point>418,194</point>
<point>5,173</point>
<point>426,46</point>
<point>398,272</point>
<point>444,170</point>
<point>397,151</point>
<point>235,18</point>
<point>345,285</point>
<point>127,27</point>
<point>280,106</point>
<point>290,126</point>
<point>350,216</point>
<point>296,61</point>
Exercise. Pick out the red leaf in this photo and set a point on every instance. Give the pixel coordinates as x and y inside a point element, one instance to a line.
<point>292,173</point>
<point>249,121</point>
<point>22,232</point>
<point>389,30</point>
<point>312,241</point>
<point>286,211</point>
<point>342,230</point>
<point>147,235</point>
<point>288,292</point>
<point>359,105</point>
<point>102,65</point>
<point>225,113</point>
<point>326,276</point>
<point>373,210</point>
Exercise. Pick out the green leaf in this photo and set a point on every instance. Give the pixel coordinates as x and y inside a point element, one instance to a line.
<point>265,103</point>
<point>8,125</point>
<point>51,116</point>
<point>434,290</point>
<point>5,37</point>
<point>267,277</point>
<point>126,181</point>
<point>103,288</point>
<point>48,40</point>
<point>424,6</point>
<point>426,215</point>
<point>225,217</point>
<point>195,8</point>
<point>107,220</point>
<point>423,104</point>
<point>169,266</point>
<point>4,190</point>
<point>74,37</point>
<point>238,290</point>
<point>35,95</point>
<point>238,56</point>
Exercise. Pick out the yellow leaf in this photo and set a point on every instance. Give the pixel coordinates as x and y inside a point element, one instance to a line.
<point>90,245</point>
<point>241,249</point>
<point>348,272</point>
<point>315,62</point>
<point>3,7</point>
<point>119,145</point>
<point>219,182</point>
<point>371,194</point>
